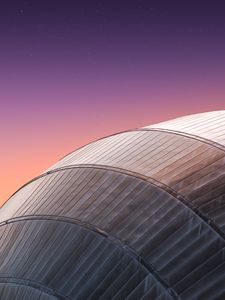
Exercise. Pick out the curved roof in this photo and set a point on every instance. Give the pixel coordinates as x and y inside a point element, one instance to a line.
<point>208,125</point>
<point>137,215</point>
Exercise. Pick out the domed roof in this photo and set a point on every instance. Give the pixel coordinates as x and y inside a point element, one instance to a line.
<point>208,126</point>
<point>136,215</point>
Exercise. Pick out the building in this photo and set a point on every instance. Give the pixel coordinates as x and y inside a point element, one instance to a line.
<point>136,215</point>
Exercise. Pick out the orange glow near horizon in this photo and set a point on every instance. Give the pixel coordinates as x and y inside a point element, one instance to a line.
<point>30,151</point>
<point>81,70</point>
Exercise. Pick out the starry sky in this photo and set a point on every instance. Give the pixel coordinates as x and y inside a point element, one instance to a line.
<point>74,71</point>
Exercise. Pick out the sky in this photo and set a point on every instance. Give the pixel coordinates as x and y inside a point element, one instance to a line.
<point>74,71</point>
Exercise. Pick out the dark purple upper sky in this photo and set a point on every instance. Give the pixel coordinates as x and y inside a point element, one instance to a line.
<point>135,33</point>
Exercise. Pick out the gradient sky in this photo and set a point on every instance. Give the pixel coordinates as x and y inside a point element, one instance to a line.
<point>74,71</point>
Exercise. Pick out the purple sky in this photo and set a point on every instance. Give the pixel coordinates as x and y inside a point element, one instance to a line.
<point>72,71</point>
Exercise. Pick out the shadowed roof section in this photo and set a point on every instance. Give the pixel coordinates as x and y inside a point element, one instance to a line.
<point>136,215</point>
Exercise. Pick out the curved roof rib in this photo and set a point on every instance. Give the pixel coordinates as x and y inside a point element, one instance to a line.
<point>136,215</point>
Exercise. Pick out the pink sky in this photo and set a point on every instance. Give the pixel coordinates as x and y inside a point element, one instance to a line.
<point>78,72</point>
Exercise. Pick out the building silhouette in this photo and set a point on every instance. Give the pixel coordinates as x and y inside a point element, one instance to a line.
<point>136,215</point>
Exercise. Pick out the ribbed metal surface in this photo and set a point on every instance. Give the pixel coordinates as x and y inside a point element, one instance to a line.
<point>210,125</point>
<point>73,262</point>
<point>137,215</point>
<point>13,290</point>
<point>188,166</point>
<point>146,218</point>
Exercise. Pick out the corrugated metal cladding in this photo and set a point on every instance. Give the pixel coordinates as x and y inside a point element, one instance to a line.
<point>136,215</point>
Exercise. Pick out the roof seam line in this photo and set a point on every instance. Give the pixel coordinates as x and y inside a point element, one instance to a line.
<point>139,176</point>
<point>185,134</point>
<point>34,285</point>
<point>151,129</point>
<point>153,181</point>
<point>114,240</point>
